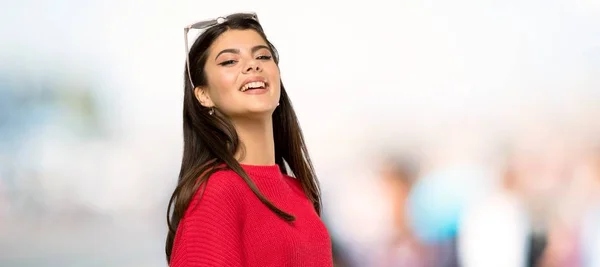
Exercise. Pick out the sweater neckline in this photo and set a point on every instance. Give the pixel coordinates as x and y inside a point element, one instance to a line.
<point>267,171</point>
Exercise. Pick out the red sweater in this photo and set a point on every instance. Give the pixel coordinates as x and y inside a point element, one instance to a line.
<point>227,225</point>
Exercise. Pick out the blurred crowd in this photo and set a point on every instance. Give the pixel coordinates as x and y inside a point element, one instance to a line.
<point>536,202</point>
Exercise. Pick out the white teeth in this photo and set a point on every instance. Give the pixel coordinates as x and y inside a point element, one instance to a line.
<point>252,85</point>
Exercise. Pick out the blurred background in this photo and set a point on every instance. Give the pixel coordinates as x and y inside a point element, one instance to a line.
<point>444,133</point>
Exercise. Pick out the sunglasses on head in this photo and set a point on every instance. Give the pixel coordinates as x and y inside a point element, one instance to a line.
<point>205,24</point>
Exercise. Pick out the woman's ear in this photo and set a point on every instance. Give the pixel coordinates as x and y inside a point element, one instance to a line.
<point>203,97</point>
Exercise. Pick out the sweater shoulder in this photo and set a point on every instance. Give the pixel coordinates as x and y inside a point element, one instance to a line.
<point>221,188</point>
<point>209,232</point>
<point>295,185</point>
<point>223,183</point>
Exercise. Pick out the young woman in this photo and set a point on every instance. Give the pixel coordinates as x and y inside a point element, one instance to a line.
<point>235,204</point>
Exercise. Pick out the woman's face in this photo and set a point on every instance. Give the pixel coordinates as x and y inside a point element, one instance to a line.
<point>242,77</point>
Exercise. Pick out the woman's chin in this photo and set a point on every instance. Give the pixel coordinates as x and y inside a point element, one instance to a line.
<point>257,112</point>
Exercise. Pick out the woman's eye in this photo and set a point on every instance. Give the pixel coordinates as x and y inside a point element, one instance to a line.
<point>264,57</point>
<point>227,62</point>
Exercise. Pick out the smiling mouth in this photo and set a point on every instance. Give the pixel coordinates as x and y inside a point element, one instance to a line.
<point>254,86</point>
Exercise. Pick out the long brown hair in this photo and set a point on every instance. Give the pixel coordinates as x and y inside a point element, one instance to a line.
<point>210,141</point>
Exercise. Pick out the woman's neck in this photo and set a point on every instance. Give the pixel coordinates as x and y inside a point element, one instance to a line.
<point>257,146</point>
